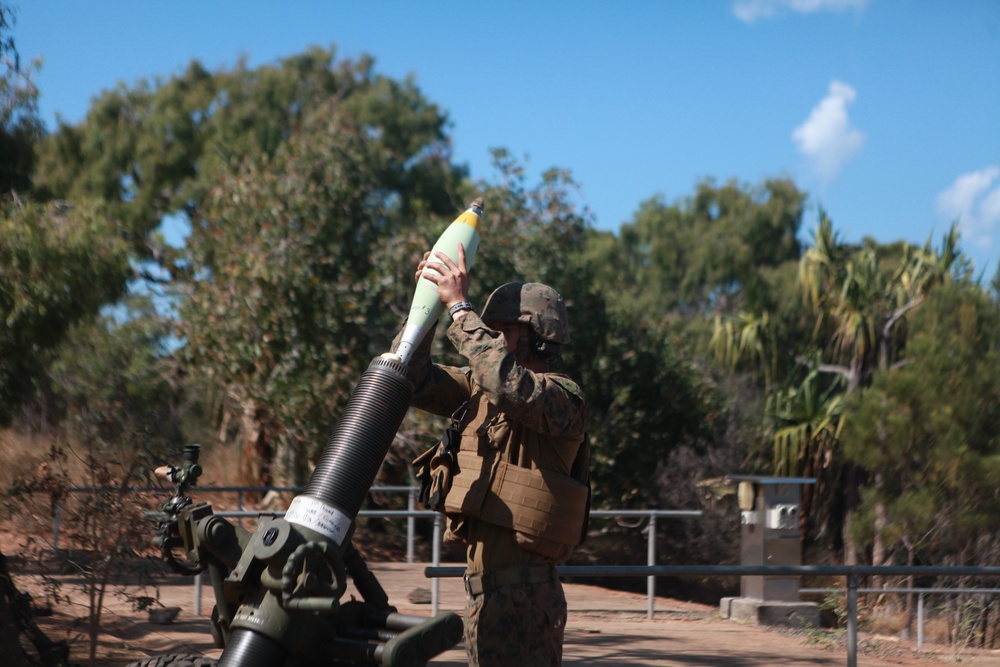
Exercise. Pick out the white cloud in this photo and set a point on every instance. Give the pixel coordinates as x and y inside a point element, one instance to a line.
<point>750,11</point>
<point>827,138</point>
<point>974,201</point>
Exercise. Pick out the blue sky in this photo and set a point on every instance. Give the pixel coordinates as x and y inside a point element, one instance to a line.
<point>887,112</point>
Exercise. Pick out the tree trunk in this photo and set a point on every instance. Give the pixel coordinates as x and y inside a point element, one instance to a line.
<point>805,505</point>
<point>878,543</point>
<point>852,499</point>
<point>283,468</point>
<point>255,449</point>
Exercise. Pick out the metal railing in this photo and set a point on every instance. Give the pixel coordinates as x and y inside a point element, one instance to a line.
<point>240,512</point>
<point>920,592</point>
<point>411,515</point>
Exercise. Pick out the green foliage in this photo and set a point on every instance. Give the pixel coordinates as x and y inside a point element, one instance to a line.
<point>57,266</point>
<point>194,144</point>
<point>807,423</point>
<point>835,601</point>
<point>706,252</point>
<point>858,297</point>
<point>850,327</point>
<point>113,384</point>
<point>160,147</point>
<point>646,402</point>
<point>288,294</point>
<point>20,125</point>
<point>663,277</point>
<point>929,433</point>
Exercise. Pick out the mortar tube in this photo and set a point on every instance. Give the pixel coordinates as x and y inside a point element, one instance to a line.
<point>338,486</point>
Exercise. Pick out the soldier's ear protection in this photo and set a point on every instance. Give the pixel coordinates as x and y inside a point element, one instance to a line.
<point>544,350</point>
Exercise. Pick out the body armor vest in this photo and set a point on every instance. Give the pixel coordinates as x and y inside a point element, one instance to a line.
<point>502,479</point>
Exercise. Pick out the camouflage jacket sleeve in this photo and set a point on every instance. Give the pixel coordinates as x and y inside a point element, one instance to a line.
<point>438,389</point>
<point>544,402</point>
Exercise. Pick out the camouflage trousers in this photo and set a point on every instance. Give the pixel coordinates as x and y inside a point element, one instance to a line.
<point>520,625</point>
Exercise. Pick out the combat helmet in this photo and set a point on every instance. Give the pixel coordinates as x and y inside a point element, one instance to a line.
<point>539,306</point>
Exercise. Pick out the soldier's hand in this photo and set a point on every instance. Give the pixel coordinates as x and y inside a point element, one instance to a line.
<point>420,266</point>
<point>451,278</point>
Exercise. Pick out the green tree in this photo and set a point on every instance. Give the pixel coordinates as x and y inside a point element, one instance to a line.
<point>706,252</point>
<point>58,265</point>
<point>20,125</point>
<point>928,431</point>
<point>806,423</point>
<point>646,402</point>
<point>287,296</point>
<point>859,297</point>
<point>180,146</point>
<point>856,302</point>
<point>114,379</point>
<point>159,147</point>
<point>860,307</point>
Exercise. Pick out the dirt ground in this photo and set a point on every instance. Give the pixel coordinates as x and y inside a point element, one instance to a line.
<point>605,628</point>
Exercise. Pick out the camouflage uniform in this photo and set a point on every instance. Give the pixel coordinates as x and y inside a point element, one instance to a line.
<point>513,417</point>
<point>516,625</point>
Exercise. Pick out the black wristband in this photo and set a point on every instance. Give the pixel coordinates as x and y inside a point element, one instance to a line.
<point>458,307</point>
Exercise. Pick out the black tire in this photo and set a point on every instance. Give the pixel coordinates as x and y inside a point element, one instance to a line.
<point>175,661</point>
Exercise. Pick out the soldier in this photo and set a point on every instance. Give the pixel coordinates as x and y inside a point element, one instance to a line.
<point>511,472</point>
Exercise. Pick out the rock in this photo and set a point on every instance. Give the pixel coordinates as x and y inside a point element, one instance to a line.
<point>163,615</point>
<point>419,596</point>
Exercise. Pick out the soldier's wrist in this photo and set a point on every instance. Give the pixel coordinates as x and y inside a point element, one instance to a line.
<point>458,310</point>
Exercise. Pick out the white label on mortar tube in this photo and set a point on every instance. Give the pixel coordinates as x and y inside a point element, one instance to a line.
<point>320,517</point>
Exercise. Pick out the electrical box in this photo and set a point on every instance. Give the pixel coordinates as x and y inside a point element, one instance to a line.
<point>769,533</point>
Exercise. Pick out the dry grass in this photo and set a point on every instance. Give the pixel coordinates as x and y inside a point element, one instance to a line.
<point>938,627</point>
<point>20,456</point>
<point>888,623</point>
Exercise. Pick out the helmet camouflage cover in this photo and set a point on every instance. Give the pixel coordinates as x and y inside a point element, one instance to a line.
<point>539,306</point>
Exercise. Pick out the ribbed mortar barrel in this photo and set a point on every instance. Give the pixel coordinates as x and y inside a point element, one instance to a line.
<point>361,439</point>
<point>250,649</point>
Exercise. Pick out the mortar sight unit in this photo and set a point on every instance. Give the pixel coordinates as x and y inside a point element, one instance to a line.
<point>279,589</point>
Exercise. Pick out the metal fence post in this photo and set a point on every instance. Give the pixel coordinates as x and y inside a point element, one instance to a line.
<point>197,594</point>
<point>920,622</point>
<point>852,619</point>
<point>411,523</point>
<point>56,526</point>
<point>651,560</point>
<point>436,559</point>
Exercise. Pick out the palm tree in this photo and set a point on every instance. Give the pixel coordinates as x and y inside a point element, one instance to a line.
<point>856,306</point>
